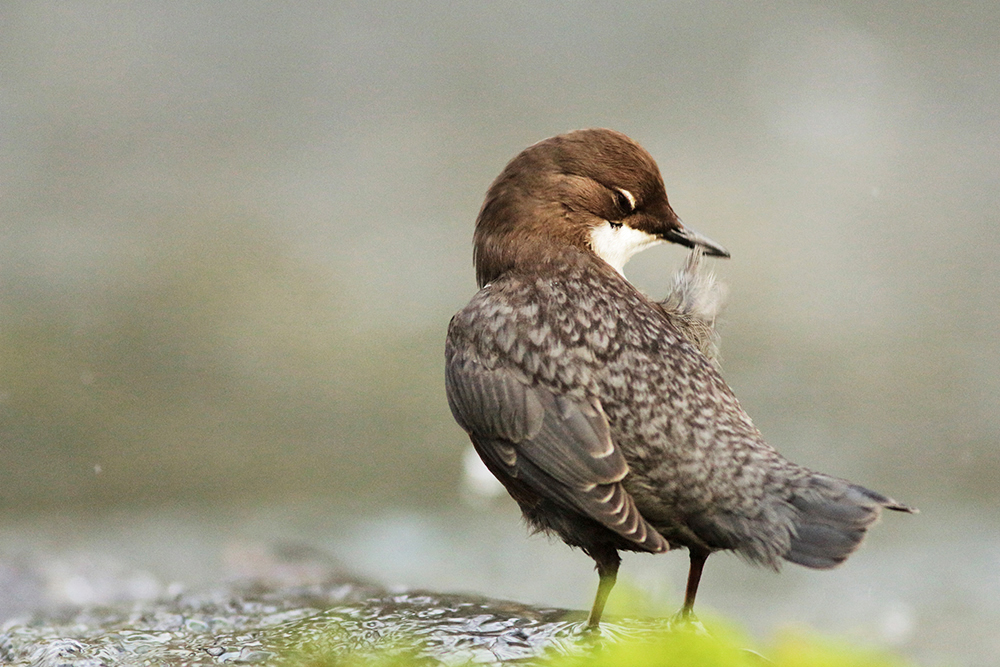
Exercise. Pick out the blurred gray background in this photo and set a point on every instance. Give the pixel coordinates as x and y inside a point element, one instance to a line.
<point>233,235</point>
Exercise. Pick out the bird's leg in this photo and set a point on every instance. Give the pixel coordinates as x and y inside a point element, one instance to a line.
<point>698,558</point>
<point>607,570</point>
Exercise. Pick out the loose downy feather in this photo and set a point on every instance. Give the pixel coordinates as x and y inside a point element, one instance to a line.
<point>694,302</point>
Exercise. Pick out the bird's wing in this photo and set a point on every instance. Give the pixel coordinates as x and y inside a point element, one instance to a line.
<point>559,447</point>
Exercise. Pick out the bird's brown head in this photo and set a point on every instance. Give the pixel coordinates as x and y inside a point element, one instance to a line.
<point>593,189</point>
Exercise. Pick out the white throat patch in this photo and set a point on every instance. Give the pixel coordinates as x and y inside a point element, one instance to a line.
<point>617,245</point>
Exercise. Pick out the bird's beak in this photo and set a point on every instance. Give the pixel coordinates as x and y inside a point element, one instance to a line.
<point>689,238</point>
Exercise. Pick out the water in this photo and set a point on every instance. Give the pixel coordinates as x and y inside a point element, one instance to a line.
<point>927,586</point>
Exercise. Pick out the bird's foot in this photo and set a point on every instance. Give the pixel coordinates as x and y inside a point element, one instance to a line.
<point>686,621</point>
<point>580,628</point>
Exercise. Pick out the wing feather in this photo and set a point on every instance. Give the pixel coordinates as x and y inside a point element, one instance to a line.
<point>559,447</point>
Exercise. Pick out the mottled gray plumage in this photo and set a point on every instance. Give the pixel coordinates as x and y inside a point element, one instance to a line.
<point>603,412</point>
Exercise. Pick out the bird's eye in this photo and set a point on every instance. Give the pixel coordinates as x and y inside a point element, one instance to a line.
<point>625,200</point>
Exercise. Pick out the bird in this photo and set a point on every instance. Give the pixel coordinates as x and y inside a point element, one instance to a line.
<point>603,412</point>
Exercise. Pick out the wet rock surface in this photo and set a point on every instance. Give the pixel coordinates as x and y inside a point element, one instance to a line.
<point>264,624</point>
<point>83,577</point>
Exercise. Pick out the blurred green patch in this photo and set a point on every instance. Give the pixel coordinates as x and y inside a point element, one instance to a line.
<point>340,649</point>
<point>725,648</point>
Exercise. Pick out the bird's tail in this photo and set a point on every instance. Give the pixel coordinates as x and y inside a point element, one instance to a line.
<point>832,518</point>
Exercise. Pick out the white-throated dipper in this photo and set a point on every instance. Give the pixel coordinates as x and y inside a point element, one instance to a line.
<point>603,420</point>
